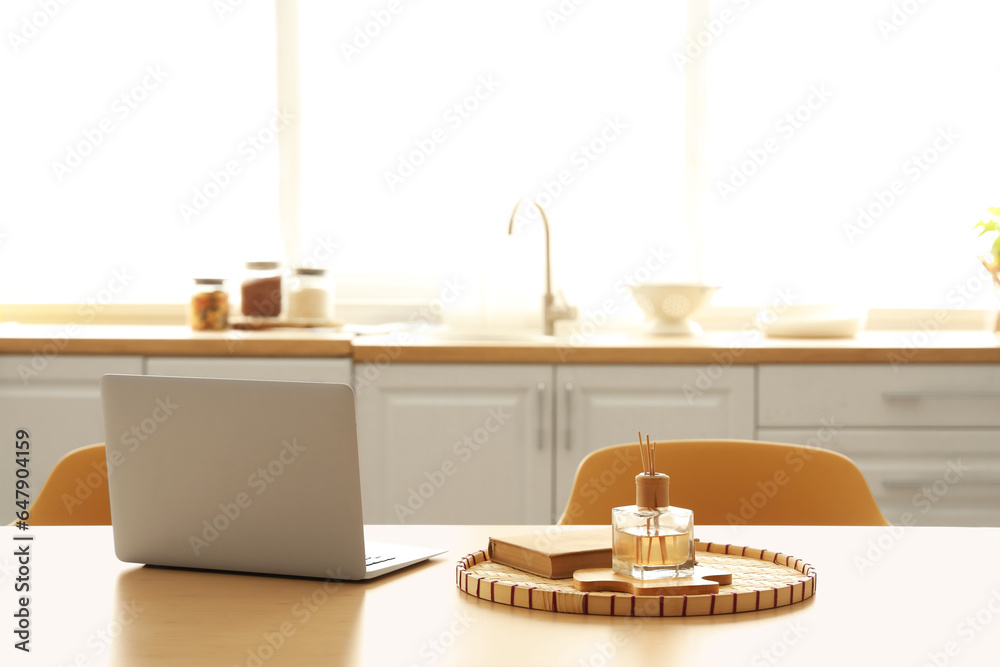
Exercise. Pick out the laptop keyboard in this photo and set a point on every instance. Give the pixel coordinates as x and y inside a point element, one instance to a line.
<point>375,560</point>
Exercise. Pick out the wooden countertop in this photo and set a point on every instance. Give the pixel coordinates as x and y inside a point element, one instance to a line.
<point>169,341</point>
<point>724,348</point>
<point>875,604</point>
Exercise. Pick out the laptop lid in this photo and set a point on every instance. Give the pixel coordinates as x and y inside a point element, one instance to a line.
<point>245,475</point>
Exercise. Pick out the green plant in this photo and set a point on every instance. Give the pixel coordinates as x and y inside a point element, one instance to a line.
<point>992,226</point>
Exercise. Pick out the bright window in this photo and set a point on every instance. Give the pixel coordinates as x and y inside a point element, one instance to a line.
<point>119,114</point>
<point>839,150</point>
<point>422,128</point>
<point>850,147</point>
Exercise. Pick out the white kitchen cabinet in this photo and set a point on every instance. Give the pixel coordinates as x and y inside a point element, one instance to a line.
<point>880,395</point>
<point>58,401</point>
<point>927,438</point>
<point>463,444</point>
<point>416,419</point>
<point>599,406</point>
<point>925,477</point>
<point>253,368</point>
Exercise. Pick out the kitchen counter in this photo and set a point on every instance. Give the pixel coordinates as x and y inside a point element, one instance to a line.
<point>724,348</point>
<point>155,341</point>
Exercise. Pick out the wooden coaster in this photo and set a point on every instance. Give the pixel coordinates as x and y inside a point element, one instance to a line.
<point>704,581</point>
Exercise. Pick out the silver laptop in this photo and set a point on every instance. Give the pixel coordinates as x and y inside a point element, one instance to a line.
<point>243,475</point>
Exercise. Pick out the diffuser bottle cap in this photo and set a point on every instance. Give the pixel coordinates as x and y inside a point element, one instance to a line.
<point>652,491</point>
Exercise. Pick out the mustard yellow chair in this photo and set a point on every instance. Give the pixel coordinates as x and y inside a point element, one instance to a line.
<point>76,492</point>
<point>730,482</point>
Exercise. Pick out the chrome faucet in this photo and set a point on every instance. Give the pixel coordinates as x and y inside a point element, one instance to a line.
<point>552,309</point>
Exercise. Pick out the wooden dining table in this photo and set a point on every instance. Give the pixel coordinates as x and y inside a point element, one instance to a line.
<point>884,596</point>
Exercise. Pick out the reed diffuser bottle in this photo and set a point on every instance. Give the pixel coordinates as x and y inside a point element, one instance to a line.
<point>651,539</point>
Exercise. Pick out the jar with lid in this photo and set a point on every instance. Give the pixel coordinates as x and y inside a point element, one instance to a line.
<point>209,305</point>
<point>262,291</point>
<point>310,296</point>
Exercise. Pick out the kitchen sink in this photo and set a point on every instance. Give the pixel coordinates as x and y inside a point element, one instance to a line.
<point>482,337</point>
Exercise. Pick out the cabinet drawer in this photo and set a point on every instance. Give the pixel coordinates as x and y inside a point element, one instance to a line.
<point>879,395</point>
<point>937,477</point>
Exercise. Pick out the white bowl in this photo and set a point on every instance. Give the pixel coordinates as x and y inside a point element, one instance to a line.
<point>668,306</point>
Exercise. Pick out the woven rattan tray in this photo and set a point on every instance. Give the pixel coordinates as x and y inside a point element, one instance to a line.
<point>761,580</point>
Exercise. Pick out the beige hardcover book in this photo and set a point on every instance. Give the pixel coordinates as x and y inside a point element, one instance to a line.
<point>555,555</point>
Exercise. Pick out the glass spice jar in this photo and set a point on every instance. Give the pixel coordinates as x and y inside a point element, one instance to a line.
<point>262,290</point>
<point>309,296</point>
<point>209,306</point>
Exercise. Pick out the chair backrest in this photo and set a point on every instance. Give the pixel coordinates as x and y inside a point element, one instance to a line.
<point>730,482</point>
<point>76,492</point>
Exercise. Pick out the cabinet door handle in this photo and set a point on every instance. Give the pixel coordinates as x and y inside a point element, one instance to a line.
<point>919,395</point>
<point>917,483</point>
<point>541,416</point>
<point>569,415</point>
